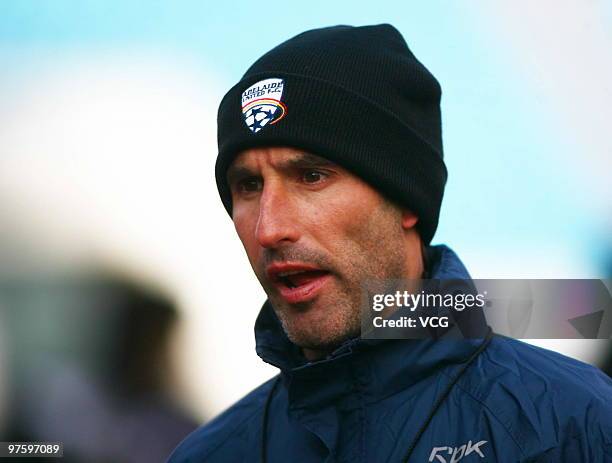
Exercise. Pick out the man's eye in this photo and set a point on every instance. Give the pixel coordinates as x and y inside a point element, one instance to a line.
<point>249,185</point>
<point>313,176</point>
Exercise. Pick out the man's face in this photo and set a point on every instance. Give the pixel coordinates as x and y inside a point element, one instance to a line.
<point>313,232</point>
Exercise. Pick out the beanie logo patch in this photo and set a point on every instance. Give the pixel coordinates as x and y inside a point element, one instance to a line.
<point>262,105</point>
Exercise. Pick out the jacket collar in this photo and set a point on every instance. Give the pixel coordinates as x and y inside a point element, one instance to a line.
<point>386,365</point>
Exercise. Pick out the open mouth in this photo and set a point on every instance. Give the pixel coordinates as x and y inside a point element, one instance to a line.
<point>297,283</point>
<point>297,279</point>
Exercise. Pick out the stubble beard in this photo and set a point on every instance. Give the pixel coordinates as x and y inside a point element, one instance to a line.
<point>335,316</point>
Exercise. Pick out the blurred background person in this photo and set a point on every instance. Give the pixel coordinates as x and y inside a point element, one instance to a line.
<point>88,363</point>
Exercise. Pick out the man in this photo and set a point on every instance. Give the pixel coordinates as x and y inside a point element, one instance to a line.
<point>330,165</point>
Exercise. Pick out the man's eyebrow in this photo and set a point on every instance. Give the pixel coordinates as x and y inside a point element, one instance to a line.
<point>235,173</point>
<point>307,160</point>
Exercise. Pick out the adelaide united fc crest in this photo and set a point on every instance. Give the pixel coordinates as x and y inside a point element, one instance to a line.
<point>262,105</point>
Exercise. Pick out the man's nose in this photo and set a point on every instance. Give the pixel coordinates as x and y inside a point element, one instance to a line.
<point>276,224</point>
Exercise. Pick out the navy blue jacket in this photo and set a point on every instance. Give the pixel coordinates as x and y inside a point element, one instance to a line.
<point>371,401</point>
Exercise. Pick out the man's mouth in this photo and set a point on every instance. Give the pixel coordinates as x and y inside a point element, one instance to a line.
<point>297,282</point>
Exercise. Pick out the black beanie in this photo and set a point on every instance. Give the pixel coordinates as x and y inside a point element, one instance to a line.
<point>354,95</point>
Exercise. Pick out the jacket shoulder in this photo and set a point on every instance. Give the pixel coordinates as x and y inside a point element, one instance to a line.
<point>545,400</point>
<point>225,437</point>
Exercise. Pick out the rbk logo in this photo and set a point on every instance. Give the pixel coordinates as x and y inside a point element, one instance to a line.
<point>456,453</point>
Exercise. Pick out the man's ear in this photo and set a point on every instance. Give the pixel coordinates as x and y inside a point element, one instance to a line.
<point>409,219</point>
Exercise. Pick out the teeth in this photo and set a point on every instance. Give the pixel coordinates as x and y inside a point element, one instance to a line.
<point>293,272</point>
